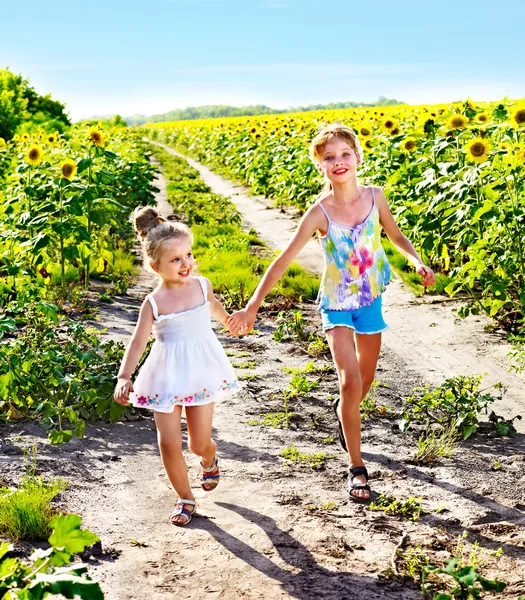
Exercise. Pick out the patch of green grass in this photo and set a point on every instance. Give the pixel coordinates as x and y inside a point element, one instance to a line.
<point>26,512</point>
<point>234,354</point>
<point>315,460</point>
<point>276,420</point>
<point>248,376</point>
<point>433,445</point>
<point>317,346</point>
<point>300,386</point>
<point>409,509</point>
<point>327,440</point>
<point>246,364</point>
<point>123,263</point>
<point>310,368</point>
<point>328,506</point>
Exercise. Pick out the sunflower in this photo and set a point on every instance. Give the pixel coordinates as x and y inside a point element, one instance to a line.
<point>389,123</point>
<point>34,155</point>
<point>25,137</point>
<point>409,144</point>
<point>365,131</point>
<point>478,149</point>
<point>457,122</point>
<point>68,168</point>
<point>483,117</point>
<point>2,142</point>
<point>519,115</point>
<point>96,136</point>
<point>395,131</point>
<point>16,137</point>
<point>368,145</point>
<point>51,139</point>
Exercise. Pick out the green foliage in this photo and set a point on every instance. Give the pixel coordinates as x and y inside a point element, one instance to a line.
<point>57,371</point>
<point>503,427</point>
<point>290,325</point>
<point>409,509</point>
<point>293,456</point>
<point>300,386</point>
<point>49,572</point>
<point>318,346</point>
<point>456,404</point>
<point>433,445</point>
<point>468,582</point>
<point>310,368</point>
<point>276,420</point>
<point>26,512</point>
<point>22,108</point>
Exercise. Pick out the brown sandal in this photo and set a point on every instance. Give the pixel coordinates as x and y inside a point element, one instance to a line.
<point>210,476</point>
<point>181,510</point>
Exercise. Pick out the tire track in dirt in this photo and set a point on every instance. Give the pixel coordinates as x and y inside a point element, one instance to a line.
<point>425,332</point>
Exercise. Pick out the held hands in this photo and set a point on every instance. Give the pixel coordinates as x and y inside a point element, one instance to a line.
<point>122,390</point>
<point>427,274</point>
<point>241,322</point>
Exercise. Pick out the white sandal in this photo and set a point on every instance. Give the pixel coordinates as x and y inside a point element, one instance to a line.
<point>180,510</point>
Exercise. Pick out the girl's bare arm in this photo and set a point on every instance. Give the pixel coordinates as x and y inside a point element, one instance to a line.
<point>217,310</point>
<point>312,221</point>
<point>400,241</point>
<point>138,342</point>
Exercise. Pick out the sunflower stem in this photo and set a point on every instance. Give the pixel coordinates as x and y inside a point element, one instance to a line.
<point>61,237</point>
<point>88,258</point>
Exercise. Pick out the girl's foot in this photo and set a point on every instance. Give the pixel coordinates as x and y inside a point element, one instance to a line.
<point>210,476</point>
<point>182,513</point>
<point>357,484</point>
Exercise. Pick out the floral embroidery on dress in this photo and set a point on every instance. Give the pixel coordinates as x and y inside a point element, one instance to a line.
<point>190,398</point>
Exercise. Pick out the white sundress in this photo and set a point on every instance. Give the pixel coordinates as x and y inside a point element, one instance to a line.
<point>187,365</point>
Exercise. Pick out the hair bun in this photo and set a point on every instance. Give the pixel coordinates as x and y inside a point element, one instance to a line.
<point>145,219</point>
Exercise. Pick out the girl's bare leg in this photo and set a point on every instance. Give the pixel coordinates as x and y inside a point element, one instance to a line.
<point>367,349</point>
<point>199,419</point>
<point>170,445</point>
<point>341,342</point>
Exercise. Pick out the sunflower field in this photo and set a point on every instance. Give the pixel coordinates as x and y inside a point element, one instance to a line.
<point>65,201</point>
<point>453,174</point>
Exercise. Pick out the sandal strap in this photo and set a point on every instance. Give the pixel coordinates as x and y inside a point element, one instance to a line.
<point>186,501</point>
<point>357,471</point>
<point>213,466</point>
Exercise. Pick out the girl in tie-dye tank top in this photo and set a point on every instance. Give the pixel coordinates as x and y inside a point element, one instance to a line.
<point>348,219</point>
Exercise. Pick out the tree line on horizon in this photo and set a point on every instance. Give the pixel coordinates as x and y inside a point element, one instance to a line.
<point>219,111</point>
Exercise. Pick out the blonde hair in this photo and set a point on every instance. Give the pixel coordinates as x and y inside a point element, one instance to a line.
<point>328,133</point>
<point>155,231</point>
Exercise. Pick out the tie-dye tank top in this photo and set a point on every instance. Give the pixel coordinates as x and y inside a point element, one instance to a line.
<point>356,267</point>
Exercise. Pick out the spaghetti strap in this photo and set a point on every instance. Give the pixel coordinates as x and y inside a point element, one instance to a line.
<point>373,198</point>
<point>320,203</point>
<point>204,286</point>
<point>153,306</point>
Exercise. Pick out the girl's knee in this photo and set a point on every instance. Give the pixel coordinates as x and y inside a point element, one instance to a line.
<point>351,386</point>
<point>200,447</point>
<point>170,445</point>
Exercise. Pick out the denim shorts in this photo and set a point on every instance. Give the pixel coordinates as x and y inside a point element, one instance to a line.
<point>367,320</point>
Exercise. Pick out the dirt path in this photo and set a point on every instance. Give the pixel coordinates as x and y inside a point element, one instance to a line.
<point>426,333</point>
<point>264,534</point>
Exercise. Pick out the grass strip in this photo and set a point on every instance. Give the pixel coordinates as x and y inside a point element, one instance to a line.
<point>233,260</point>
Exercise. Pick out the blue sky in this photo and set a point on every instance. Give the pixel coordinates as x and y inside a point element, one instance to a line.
<point>127,57</point>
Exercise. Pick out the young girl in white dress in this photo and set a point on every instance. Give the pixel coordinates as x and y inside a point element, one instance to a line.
<point>187,367</point>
